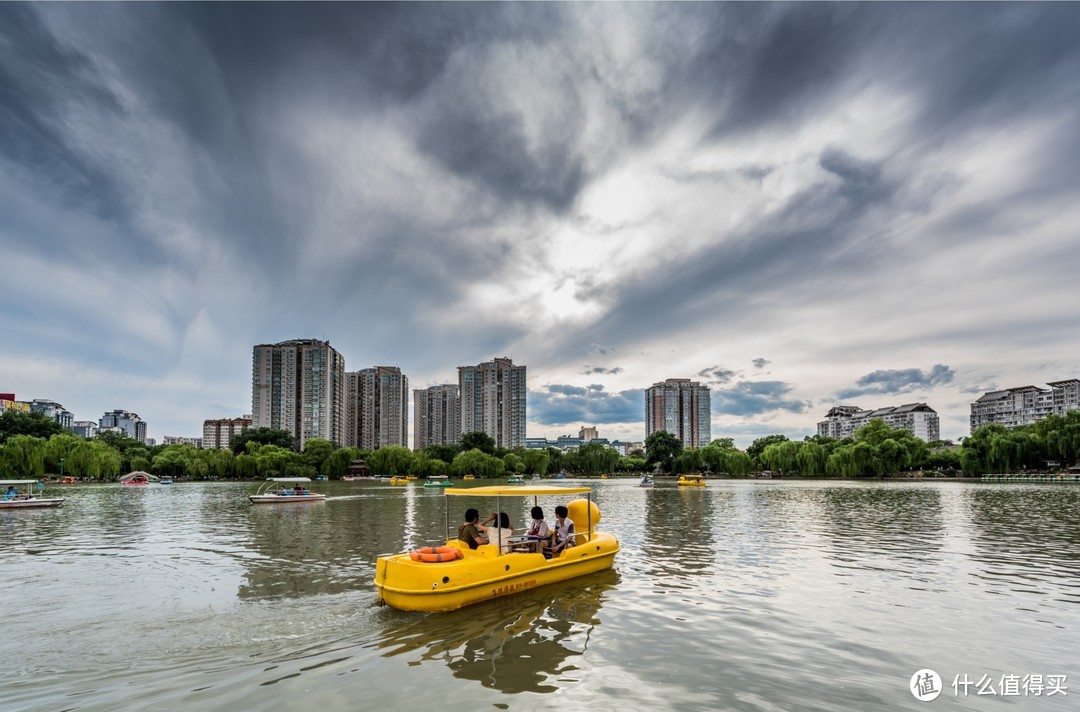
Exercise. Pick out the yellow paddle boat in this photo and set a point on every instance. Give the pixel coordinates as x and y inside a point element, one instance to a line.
<point>469,477</point>
<point>451,576</point>
<point>691,481</point>
<point>399,480</point>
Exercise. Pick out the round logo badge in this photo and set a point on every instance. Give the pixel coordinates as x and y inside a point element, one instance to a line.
<point>925,685</point>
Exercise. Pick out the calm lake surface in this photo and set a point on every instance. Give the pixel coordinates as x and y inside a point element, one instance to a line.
<point>745,595</point>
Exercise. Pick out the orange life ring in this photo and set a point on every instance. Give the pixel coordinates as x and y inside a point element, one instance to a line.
<point>434,554</point>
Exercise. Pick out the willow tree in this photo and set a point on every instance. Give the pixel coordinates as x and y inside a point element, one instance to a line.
<point>25,455</point>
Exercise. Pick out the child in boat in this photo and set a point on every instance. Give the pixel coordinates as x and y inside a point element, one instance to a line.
<point>563,535</point>
<point>538,528</point>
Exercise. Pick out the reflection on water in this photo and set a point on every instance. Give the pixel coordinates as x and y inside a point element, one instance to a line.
<point>518,644</point>
<point>741,595</point>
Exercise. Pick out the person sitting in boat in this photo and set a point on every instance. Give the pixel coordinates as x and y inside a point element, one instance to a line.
<point>283,492</point>
<point>563,536</point>
<point>11,493</point>
<point>469,532</point>
<point>500,532</point>
<point>299,489</point>
<point>539,527</point>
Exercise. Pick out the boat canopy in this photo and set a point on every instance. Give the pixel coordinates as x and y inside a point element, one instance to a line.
<point>17,482</point>
<point>516,491</point>
<point>288,479</point>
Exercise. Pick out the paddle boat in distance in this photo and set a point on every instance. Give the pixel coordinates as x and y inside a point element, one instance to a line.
<point>399,480</point>
<point>691,481</point>
<point>19,494</point>
<point>138,479</point>
<point>646,482</point>
<point>469,478</point>
<point>438,481</point>
<point>515,480</point>
<point>276,491</point>
<point>444,578</point>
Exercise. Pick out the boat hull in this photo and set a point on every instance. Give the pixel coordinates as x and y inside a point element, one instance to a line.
<point>281,498</point>
<point>483,574</point>
<point>32,503</point>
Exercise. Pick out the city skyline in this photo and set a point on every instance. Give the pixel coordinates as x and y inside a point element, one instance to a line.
<point>798,205</point>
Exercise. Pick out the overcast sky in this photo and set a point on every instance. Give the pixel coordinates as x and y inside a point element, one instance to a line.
<point>801,205</point>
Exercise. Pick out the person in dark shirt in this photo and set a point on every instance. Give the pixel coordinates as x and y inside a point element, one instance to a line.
<point>468,532</point>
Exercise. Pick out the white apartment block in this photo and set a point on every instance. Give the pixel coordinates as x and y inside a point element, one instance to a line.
<point>174,440</point>
<point>218,434</point>
<point>919,419</point>
<point>587,433</point>
<point>681,407</point>
<point>53,410</point>
<point>1025,405</point>
<point>436,416</point>
<point>85,428</point>
<point>129,423</point>
<point>299,386</point>
<point>493,400</point>
<point>376,408</point>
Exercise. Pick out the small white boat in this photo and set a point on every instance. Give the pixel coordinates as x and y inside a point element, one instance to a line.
<point>275,491</point>
<point>646,482</point>
<point>20,494</point>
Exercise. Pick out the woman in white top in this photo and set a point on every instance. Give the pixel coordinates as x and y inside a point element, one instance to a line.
<point>498,534</point>
<point>539,527</point>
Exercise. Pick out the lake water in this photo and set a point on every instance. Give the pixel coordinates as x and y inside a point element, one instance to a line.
<point>745,595</point>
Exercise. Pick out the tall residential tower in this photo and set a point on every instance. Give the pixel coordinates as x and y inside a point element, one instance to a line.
<point>683,408</point>
<point>436,416</point>
<point>493,401</point>
<point>298,386</point>
<point>376,408</point>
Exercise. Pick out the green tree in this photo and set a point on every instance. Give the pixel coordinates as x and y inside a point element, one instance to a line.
<point>689,460</point>
<point>38,425</point>
<point>513,463</point>
<point>262,436</point>
<point>555,459</point>
<point>446,453</point>
<point>25,455</point>
<point>662,448</point>
<point>337,465</point>
<point>536,462</point>
<point>316,451</point>
<point>478,440</point>
<point>391,460</point>
<point>758,446</point>
<point>274,460</point>
<point>478,463</point>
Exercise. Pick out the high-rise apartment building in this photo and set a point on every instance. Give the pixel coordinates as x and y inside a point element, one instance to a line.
<point>493,401</point>
<point>376,408</point>
<point>180,440</point>
<point>436,416</point>
<point>918,419</point>
<point>129,423</point>
<point>218,434</point>
<point>683,408</point>
<point>299,386</point>
<point>1025,405</point>
<point>53,410</point>
<point>587,433</point>
<point>85,428</point>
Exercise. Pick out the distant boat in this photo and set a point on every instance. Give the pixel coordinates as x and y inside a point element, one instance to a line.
<point>515,480</point>
<point>271,493</point>
<point>646,482</point>
<point>20,495</point>
<point>138,479</point>
<point>165,481</point>
<point>691,481</point>
<point>438,481</point>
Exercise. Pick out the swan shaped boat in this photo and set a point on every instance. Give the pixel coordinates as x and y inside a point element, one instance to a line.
<point>447,577</point>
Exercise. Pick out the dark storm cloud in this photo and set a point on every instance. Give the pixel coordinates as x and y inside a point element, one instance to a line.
<point>41,81</point>
<point>602,370</point>
<point>716,375</point>
<point>561,404</point>
<point>755,398</point>
<point>899,381</point>
<point>759,363</point>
